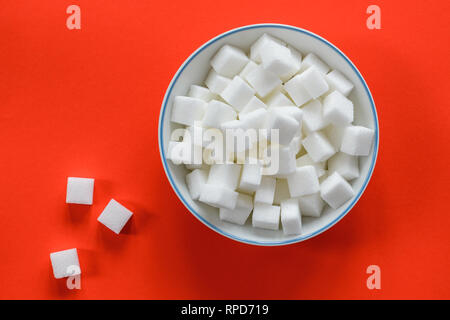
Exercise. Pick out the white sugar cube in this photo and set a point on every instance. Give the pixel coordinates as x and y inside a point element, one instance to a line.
<point>286,126</point>
<point>80,190</point>
<point>200,92</point>
<point>250,177</point>
<point>194,135</point>
<point>314,82</point>
<point>313,119</point>
<point>225,175</point>
<point>216,83</point>
<point>266,216</point>
<point>357,140</point>
<point>335,190</point>
<point>279,60</point>
<point>311,205</point>
<point>291,111</point>
<point>312,60</point>
<point>263,81</point>
<point>176,152</point>
<point>229,61</point>
<point>255,119</point>
<point>266,190</point>
<point>344,164</point>
<point>297,90</point>
<point>187,110</point>
<point>219,197</point>
<point>65,263</point>
<point>216,113</point>
<point>297,56</point>
<point>303,181</point>
<point>114,216</point>
<point>261,44</point>
<point>337,109</point>
<point>306,160</point>
<point>290,216</point>
<point>338,81</point>
<point>334,135</point>
<point>318,146</point>
<point>296,144</point>
<point>249,67</point>
<point>281,191</point>
<point>238,93</point>
<point>239,215</point>
<point>195,181</point>
<point>286,160</point>
<point>254,104</point>
<point>278,99</point>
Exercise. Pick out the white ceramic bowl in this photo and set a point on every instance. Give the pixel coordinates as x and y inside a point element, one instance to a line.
<point>194,71</point>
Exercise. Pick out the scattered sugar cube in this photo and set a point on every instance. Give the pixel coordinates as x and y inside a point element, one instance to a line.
<point>290,216</point>
<point>306,160</point>
<point>286,160</point>
<point>65,263</point>
<point>297,90</point>
<point>193,135</point>
<point>187,110</point>
<point>296,144</point>
<point>200,92</point>
<point>80,190</point>
<point>225,175</point>
<point>266,216</point>
<point>219,197</point>
<point>357,140</point>
<point>229,61</point>
<point>249,67</point>
<point>114,216</point>
<point>311,205</point>
<point>312,60</point>
<point>177,152</point>
<point>250,177</point>
<point>238,93</point>
<point>255,119</point>
<point>281,191</point>
<point>314,82</point>
<point>297,56</point>
<point>335,190</point>
<point>216,83</point>
<point>313,119</point>
<point>344,164</point>
<point>254,104</point>
<point>263,42</point>
<point>279,60</point>
<point>266,191</point>
<point>337,109</point>
<point>286,125</point>
<point>263,81</point>
<point>338,81</point>
<point>195,181</point>
<point>239,215</point>
<point>303,181</point>
<point>216,113</point>
<point>278,99</point>
<point>291,111</point>
<point>334,135</point>
<point>318,146</point>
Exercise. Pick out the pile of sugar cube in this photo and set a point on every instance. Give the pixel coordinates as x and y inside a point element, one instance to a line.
<point>114,216</point>
<point>274,87</point>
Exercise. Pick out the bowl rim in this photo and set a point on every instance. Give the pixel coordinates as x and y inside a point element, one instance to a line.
<point>300,238</point>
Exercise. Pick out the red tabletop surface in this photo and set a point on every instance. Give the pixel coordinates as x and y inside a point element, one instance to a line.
<point>86,103</point>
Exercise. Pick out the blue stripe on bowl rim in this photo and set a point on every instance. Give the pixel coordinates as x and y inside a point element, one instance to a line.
<point>168,172</point>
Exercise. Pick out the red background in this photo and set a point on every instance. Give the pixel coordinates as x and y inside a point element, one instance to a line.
<point>86,103</point>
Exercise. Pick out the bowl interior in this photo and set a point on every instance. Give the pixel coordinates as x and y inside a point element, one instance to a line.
<point>194,71</point>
